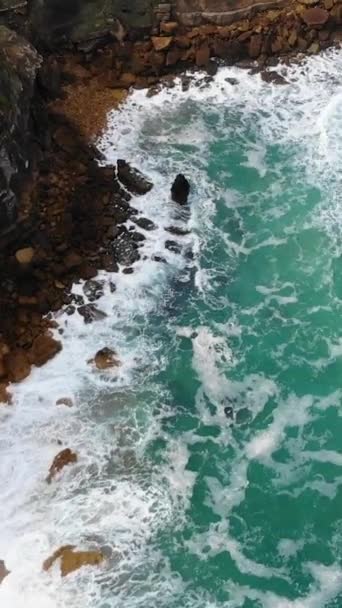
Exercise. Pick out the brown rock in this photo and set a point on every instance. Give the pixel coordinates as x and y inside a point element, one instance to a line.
<point>106,358</point>
<point>5,396</point>
<point>17,365</point>
<point>65,401</point>
<point>255,45</point>
<point>309,2</point>
<point>161,43</point>
<point>25,256</point>
<point>173,56</point>
<point>63,458</point>
<point>203,55</point>
<point>328,4</point>
<point>168,27</point>
<point>72,260</point>
<point>315,17</point>
<point>90,313</point>
<point>72,560</point>
<point>3,571</point>
<point>44,348</point>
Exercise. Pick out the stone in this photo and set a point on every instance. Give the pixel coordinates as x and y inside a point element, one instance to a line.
<point>3,571</point>
<point>202,55</point>
<point>17,365</point>
<point>168,27</point>
<point>106,358</point>
<point>180,190</point>
<point>255,46</point>
<point>25,256</point>
<point>72,260</point>
<point>273,77</point>
<point>44,348</point>
<point>144,223</point>
<point>161,43</point>
<point>93,290</point>
<point>177,230</point>
<point>173,246</point>
<point>316,16</point>
<point>63,459</point>
<point>71,560</point>
<point>5,396</point>
<point>309,2</point>
<point>65,401</point>
<point>134,180</point>
<point>90,313</point>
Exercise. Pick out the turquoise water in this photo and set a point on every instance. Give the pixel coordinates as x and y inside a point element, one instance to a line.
<point>194,504</point>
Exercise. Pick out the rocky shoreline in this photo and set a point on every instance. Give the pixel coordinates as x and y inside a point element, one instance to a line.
<point>71,211</point>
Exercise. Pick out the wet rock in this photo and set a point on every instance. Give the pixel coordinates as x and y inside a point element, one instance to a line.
<point>180,190</point>
<point>44,348</point>
<point>134,180</point>
<point>72,260</point>
<point>125,250</point>
<point>273,77</point>
<point>5,396</point>
<point>17,365</point>
<point>169,27</point>
<point>229,412</point>
<point>71,560</point>
<point>93,290</point>
<point>65,401</point>
<point>144,223</point>
<point>3,571</point>
<point>316,16</point>
<point>91,313</point>
<point>203,55</point>
<point>255,46</point>
<point>161,43</point>
<point>63,459</point>
<point>173,246</point>
<point>178,231</point>
<point>106,358</point>
<point>25,256</point>
<point>159,258</point>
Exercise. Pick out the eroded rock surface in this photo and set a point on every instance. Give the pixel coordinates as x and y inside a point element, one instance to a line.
<point>71,560</point>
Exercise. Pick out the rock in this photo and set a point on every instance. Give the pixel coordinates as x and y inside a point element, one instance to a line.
<point>274,77</point>
<point>255,46</point>
<point>93,290</point>
<point>314,17</point>
<point>178,231</point>
<point>65,401</point>
<point>5,396</point>
<point>173,246</point>
<point>134,180</point>
<point>308,2</point>
<point>44,348</point>
<point>3,571</point>
<point>63,458</point>
<point>90,313</point>
<point>25,256</point>
<point>72,560</point>
<point>203,55</point>
<point>72,260</point>
<point>125,250</point>
<point>180,190</point>
<point>144,223</point>
<point>106,358</point>
<point>161,43</point>
<point>17,365</point>
<point>168,27</point>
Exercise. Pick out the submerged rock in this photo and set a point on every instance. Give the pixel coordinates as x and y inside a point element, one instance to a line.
<point>72,560</point>
<point>3,571</point>
<point>144,223</point>
<point>65,401</point>
<point>90,313</point>
<point>106,358</point>
<point>180,190</point>
<point>134,180</point>
<point>63,458</point>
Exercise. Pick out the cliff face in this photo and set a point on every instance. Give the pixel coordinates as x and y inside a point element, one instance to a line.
<point>19,63</point>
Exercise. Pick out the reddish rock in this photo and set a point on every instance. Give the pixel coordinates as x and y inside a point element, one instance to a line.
<point>173,56</point>
<point>255,45</point>
<point>44,348</point>
<point>3,571</point>
<point>25,256</point>
<point>72,260</point>
<point>63,459</point>
<point>106,358</point>
<point>72,560</point>
<point>203,55</point>
<point>161,43</point>
<point>168,27</point>
<point>315,17</point>
<point>5,396</point>
<point>17,365</point>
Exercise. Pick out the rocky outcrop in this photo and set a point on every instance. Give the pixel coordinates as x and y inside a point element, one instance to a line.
<point>106,358</point>
<point>180,190</point>
<point>63,458</point>
<point>19,63</point>
<point>71,560</point>
<point>3,570</point>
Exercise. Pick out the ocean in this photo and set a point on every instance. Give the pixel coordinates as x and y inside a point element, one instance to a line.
<point>209,463</point>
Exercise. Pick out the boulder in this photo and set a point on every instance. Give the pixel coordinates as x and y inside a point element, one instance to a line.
<point>25,256</point>
<point>3,571</point>
<point>168,27</point>
<point>44,348</point>
<point>5,396</point>
<point>17,365</point>
<point>134,180</point>
<point>255,46</point>
<point>180,190</point>
<point>203,55</point>
<point>90,313</point>
<point>161,43</point>
<point>72,260</point>
<point>315,17</point>
<point>93,289</point>
<point>106,358</point>
<point>144,223</point>
<point>63,459</point>
<point>65,401</point>
<point>71,560</point>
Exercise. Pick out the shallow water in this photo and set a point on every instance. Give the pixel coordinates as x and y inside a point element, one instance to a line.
<point>193,508</point>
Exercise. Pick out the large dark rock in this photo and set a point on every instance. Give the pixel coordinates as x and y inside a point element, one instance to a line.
<point>132,179</point>
<point>19,63</point>
<point>180,190</point>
